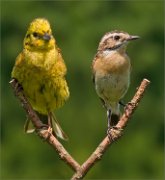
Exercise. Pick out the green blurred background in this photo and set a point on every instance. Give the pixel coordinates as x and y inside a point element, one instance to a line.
<point>78,28</point>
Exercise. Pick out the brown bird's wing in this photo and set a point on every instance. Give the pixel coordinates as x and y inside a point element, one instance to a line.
<point>92,67</point>
<point>93,76</point>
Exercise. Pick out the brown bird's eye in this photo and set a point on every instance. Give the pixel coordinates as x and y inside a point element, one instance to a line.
<point>116,37</point>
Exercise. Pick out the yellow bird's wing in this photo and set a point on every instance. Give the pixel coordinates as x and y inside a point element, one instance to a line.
<point>61,64</point>
<point>18,63</point>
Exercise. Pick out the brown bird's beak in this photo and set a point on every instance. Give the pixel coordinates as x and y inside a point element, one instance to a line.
<point>133,38</point>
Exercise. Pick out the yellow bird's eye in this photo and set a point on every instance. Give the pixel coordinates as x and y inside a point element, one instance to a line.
<point>35,34</point>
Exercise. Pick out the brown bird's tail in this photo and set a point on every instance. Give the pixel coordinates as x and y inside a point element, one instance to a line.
<point>115,113</point>
<point>114,119</point>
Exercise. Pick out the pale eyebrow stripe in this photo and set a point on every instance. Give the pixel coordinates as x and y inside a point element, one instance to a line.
<point>105,37</point>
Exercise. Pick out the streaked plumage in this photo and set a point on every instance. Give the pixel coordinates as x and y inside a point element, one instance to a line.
<point>40,70</point>
<point>111,71</point>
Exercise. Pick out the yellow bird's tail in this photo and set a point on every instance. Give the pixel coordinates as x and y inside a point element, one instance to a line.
<point>52,122</point>
<point>56,127</point>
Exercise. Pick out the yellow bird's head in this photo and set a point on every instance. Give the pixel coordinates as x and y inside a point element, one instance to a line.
<point>39,36</point>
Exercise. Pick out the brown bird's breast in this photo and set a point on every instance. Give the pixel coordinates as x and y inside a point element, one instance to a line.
<point>112,63</point>
<point>112,76</point>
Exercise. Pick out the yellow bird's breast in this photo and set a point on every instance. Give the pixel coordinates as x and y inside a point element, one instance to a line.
<point>42,78</point>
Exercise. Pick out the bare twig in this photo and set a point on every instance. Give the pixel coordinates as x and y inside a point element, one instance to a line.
<point>100,150</point>
<point>80,171</point>
<point>64,155</point>
<point>45,134</point>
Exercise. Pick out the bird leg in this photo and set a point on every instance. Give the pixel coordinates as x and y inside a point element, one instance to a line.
<point>50,123</point>
<point>109,118</point>
<point>122,103</point>
<point>46,128</point>
<point>18,86</point>
<point>113,132</point>
<point>109,124</point>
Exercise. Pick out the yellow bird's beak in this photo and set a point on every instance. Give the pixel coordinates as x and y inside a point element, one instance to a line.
<point>46,37</point>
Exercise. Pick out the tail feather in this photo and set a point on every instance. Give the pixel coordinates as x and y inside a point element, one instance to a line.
<point>114,108</point>
<point>57,128</point>
<point>114,119</point>
<point>29,128</point>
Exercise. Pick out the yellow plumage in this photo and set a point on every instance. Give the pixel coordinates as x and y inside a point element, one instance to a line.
<point>40,70</point>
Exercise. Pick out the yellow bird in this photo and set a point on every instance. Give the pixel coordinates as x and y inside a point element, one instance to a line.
<point>41,70</point>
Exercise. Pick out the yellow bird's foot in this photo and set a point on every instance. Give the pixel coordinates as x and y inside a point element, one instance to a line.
<point>50,131</point>
<point>114,133</point>
<point>46,132</point>
<point>18,86</point>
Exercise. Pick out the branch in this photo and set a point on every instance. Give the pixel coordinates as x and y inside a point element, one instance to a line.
<point>81,171</point>
<point>103,146</point>
<point>44,134</point>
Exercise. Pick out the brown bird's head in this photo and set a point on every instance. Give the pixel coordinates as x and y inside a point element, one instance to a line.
<point>115,40</point>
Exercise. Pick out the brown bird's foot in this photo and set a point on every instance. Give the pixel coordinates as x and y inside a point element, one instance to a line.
<point>122,103</point>
<point>114,133</point>
<point>130,104</point>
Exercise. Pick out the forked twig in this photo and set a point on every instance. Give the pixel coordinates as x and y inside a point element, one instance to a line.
<point>100,150</point>
<point>80,171</point>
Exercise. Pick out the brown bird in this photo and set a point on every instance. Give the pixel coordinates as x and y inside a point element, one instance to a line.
<point>111,72</point>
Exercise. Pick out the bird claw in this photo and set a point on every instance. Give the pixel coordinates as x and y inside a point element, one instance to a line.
<point>18,86</point>
<point>46,131</point>
<point>130,104</point>
<point>114,133</point>
<point>122,103</point>
<point>50,130</point>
